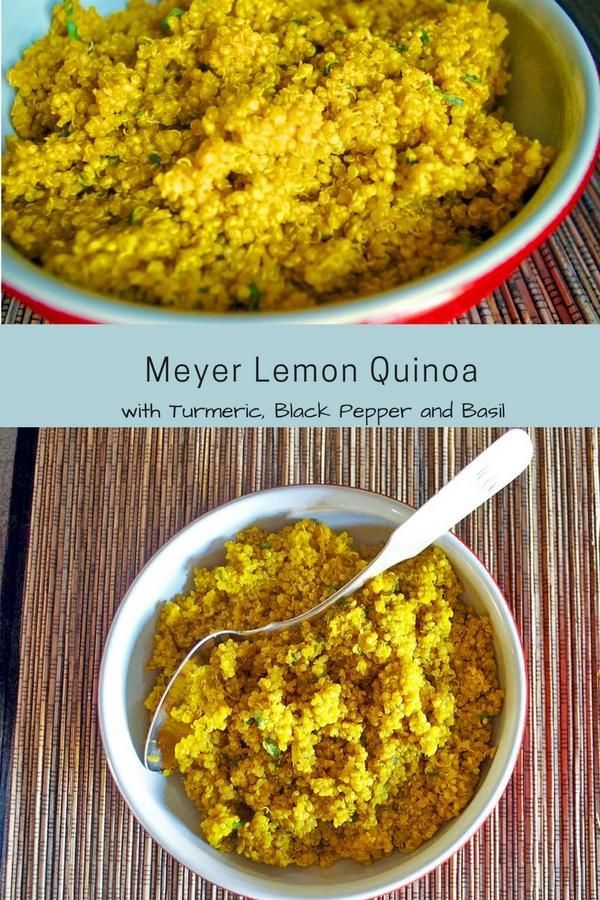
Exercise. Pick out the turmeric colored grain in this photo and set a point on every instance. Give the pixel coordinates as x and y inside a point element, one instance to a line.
<point>315,149</point>
<point>361,733</point>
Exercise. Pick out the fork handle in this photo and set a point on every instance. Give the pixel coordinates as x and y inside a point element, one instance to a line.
<point>487,474</point>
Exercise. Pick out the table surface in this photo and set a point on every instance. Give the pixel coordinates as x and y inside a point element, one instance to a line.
<point>104,501</point>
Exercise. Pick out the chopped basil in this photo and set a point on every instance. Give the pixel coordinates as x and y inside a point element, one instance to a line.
<point>265,545</point>
<point>155,158</point>
<point>452,99</point>
<point>237,825</point>
<point>255,297</point>
<point>469,241</point>
<point>256,719</point>
<point>425,38</point>
<point>176,13</point>
<point>271,747</point>
<point>471,79</point>
<point>71,26</point>
<point>112,160</point>
<point>399,48</point>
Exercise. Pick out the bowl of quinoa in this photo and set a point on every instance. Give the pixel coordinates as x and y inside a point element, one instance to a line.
<point>294,161</point>
<point>346,758</point>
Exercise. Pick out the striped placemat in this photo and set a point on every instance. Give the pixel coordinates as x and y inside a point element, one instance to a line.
<point>104,501</point>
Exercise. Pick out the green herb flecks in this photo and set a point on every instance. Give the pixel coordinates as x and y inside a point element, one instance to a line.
<point>295,657</point>
<point>165,25</point>
<point>256,719</point>
<point>135,216</point>
<point>71,26</point>
<point>255,297</point>
<point>452,99</point>
<point>272,748</point>
<point>330,65</point>
<point>425,38</point>
<point>86,186</point>
<point>399,48</point>
<point>469,242</point>
<point>155,158</point>
<point>112,160</point>
<point>204,67</point>
<point>471,79</point>
<point>265,545</point>
<point>237,825</point>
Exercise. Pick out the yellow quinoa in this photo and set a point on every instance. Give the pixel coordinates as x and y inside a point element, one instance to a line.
<point>358,734</point>
<point>262,154</point>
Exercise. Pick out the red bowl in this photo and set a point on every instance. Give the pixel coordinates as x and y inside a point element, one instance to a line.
<point>554,95</point>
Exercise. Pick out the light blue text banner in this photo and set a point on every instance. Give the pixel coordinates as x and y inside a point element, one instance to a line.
<point>283,375</point>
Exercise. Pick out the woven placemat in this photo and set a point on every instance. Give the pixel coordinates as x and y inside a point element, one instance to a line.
<point>104,501</point>
<point>558,283</point>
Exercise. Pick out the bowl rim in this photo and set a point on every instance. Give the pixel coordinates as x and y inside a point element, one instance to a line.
<point>417,299</point>
<point>511,636</point>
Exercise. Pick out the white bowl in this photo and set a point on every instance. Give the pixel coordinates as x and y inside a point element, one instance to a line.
<point>553,96</point>
<point>160,803</point>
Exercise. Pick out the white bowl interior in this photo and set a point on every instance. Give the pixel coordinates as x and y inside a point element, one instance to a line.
<point>554,96</point>
<point>160,803</point>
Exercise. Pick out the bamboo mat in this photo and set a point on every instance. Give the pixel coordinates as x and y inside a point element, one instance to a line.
<point>558,283</point>
<point>104,501</point>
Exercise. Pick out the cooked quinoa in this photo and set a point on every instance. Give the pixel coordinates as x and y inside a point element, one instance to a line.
<point>358,734</point>
<point>229,155</point>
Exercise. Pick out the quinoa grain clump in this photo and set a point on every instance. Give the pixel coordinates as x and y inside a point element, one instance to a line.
<point>361,733</point>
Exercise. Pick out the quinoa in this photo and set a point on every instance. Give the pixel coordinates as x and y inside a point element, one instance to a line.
<point>361,733</point>
<point>262,154</point>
